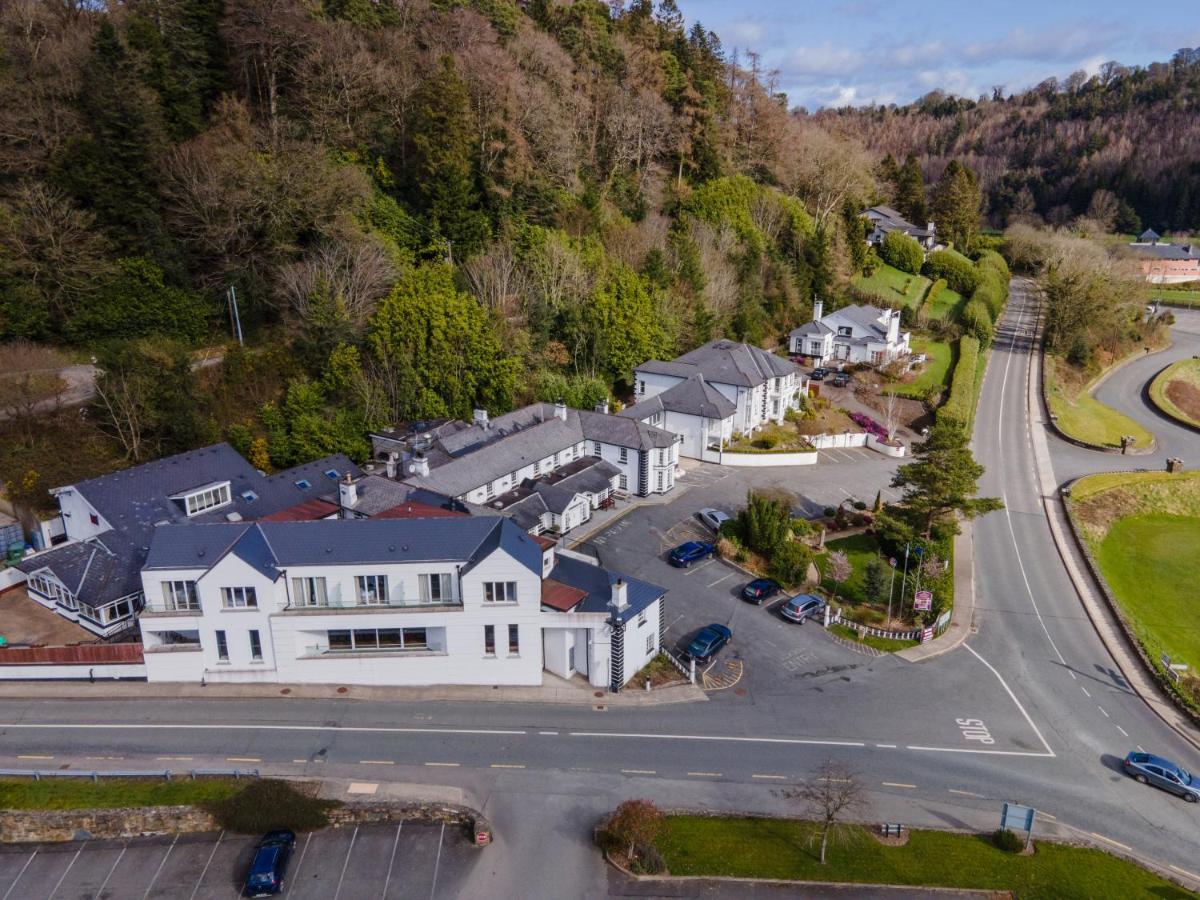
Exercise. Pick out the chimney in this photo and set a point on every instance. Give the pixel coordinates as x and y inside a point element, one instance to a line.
<point>602,406</point>
<point>620,595</point>
<point>419,465</point>
<point>481,418</point>
<point>818,308</point>
<point>893,331</point>
<point>391,464</point>
<point>931,228</point>
<point>560,409</point>
<point>347,492</point>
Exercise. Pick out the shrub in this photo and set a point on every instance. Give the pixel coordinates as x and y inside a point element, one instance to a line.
<point>632,826</point>
<point>977,318</point>
<point>763,524</point>
<point>802,527</point>
<point>789,564</point>
<point>931,296</point>
<point>860,505</point>
<point>828,512</point>
<point>902,252</point>
<point>990,259</point>
<point>1008,840</point>
<point>960,273</point>
<point>269,803</point>
<point>959,406</point>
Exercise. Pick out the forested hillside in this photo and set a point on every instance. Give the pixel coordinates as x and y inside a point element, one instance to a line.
<point>1130,132</point>
<point>422,206</point>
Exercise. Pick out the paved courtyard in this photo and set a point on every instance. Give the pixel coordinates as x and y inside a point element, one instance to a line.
<point>387,861</point>
<point>23,621</point>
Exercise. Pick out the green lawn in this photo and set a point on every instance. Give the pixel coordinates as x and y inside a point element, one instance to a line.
<point>1183,298</point>
<point>860,549</point>
<point>784,849</point>
<point>1186,370</point>
<point>75,793</point>
<point>895,287</point>
<point>947,305</point>
<point>1083,417</point>
<point>887,645</point>
<point>1149,561</point>
<point>937,367</point>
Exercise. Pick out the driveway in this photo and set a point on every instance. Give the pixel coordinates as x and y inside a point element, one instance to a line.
<point>408,859</point>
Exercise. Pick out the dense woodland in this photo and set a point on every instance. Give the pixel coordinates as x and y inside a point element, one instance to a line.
<point>1131,132</point>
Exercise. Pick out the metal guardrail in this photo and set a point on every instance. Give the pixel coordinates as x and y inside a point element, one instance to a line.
<point>164,774</point>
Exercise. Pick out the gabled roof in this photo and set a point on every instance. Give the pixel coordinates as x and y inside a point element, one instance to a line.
<point>725,362</point>
<point>623,431</point>
<point>1149,235</point>
<point>94,570</point>
<point>1166,251</point>
<point>596,582</point>
<point>693,397</point>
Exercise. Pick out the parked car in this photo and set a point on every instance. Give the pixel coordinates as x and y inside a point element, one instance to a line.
<point>711,638</point>
<point>841,379</point>
<point>802,607</point>
<point>713,518</point>
<point>269,865</point>
<point>1150,769</point>
<point>818,374</point>
<point>760,589</point>
<point>692,551</point>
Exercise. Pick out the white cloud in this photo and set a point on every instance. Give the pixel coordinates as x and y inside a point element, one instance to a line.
<point>745,32</point>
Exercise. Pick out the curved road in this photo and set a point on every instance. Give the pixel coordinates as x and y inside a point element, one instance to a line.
<point>1031,709</point>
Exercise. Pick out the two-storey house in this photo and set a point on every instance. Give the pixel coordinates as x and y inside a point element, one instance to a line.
<point>853,334</point>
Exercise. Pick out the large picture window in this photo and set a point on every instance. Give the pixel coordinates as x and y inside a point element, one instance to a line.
<point>180,595</point>
<point>385,639</point>
<point>309,592</point>
<point>208,499</point>
<point>499,592</point>
<point>238,598</point>
<point>437,588</point>
<point>372,590</point>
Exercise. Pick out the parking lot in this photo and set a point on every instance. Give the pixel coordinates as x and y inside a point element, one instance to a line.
<point>408,859</point>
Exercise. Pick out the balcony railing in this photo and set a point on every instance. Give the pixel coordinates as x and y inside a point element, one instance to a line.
<point>392,603</point>
<point>171,609</point>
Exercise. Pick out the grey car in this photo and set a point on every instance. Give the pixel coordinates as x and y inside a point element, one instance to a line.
<point>802,607</point>
<point>1162,773</point>
<point>714,518</point>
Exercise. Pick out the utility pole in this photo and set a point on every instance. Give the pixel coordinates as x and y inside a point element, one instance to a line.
<point>904,580</point>
<point>235,319</point>
<point>891,590</point>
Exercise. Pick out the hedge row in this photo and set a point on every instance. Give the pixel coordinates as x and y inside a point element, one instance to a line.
<point>931,297</point>
<point>960,405</point>
<point>960,273</point>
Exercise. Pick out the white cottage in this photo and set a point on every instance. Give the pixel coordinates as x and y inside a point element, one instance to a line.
<point>853,334</point>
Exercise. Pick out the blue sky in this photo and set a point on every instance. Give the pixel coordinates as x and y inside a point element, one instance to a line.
<point>854,51</point>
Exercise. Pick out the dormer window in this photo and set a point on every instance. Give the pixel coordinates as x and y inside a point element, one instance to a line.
<point>206,498</point>
<point>845,331</point>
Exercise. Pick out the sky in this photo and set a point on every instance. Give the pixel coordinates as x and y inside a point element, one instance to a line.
<point>857,52</point>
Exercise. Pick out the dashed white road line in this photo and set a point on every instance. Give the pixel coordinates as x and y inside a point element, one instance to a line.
<point>507,766</point>
<point>32,756</point>
<point>705,774</point>
<point>770,777</point>
<point>444,765</point>
<point>1106,715</point>
<point>638,772</point>
<point>898,784</point>
<point>886,746</point>
<point>1123,731</point>
<point>966,793</point>
<point>376,762</point>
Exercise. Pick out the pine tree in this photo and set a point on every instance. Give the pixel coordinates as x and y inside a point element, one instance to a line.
<point>910,192</point>
<point>956,204</point>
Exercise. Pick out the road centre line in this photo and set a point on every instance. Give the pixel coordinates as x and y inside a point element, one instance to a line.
<point>705,774</point>
<point>507,766</point>
<point>360,729</point>
<point>243,759</point>
<point>714,737</point>
<point>376,762</point>
<point>771,777</point>
<point>1106,715</point>
<point>1004,684</point>
<point>32,756</point>
<point>444,765</point>
<point>898,784</point>
<point>1085,692</point>
<point>886,746</point>
<point>638,772</point>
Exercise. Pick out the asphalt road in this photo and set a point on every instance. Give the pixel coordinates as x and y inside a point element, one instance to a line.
<point>1031,709</point>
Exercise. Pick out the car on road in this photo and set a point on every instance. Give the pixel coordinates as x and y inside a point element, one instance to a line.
<point>1162,773</point>
<point>711,638</point>
<point>841,379</point>
<point>818,374</point>
<point>269,865</point>
<point>802,607</point>
<point>691,551</point>
<point>759,590</point>
<point>714,518</point>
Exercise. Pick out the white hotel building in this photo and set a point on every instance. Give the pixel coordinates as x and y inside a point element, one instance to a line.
<point>456,600</point>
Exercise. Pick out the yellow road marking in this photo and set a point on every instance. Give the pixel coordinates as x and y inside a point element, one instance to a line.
<point>32,756</point>
<point>1111,841</point>
<point>965,793</point>
<point>898,784</point>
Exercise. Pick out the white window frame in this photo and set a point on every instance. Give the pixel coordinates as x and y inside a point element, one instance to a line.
<point>641,619</point>
<point>210,498</point>
<point>256,651</point>
<point>309,590</point>
<point>623,455</point>
<point>445,585</point>
<point>650,642</point>
<point>239,598</point>
<point>222,640</point>
<point>499,592</point>
<point>514,640</point>
<point>180,594</point>
<point>371,590</point>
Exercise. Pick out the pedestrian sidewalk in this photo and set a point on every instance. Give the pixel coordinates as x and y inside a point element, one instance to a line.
<point>554,690</point>
<point>962,614</point>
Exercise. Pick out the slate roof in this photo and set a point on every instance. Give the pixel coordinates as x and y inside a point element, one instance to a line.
<point>94,571</point>
<point>693,397</point>
<point>1166,251</point>
<point>1149,235</point>
<point>624,431</point>
<point>597,583</point>
<point>814,328</point>
<point>863,316</point>
<point>891,220</point>
<point>725,362</point>
<point>342,542</point>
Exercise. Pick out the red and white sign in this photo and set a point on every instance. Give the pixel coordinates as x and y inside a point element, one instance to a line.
<point>923,600</point>
<point>926,635</point>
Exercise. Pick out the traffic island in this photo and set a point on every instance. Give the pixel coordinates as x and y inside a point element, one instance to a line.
<point>1175,391</point>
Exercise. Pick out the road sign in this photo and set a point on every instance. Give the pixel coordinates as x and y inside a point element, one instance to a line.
<point>923,600</point>
<point>920,551</point>
<point>1017,818</point>
<point>892,562</point>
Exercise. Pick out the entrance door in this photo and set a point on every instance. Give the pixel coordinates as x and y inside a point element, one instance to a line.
<point>571,659</point>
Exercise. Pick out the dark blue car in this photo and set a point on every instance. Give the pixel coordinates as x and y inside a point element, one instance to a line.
<point>704,646</point>
<point>270,863</point>
<point>1162,773</point>
<point>686,554</point>
<point>760,589</point>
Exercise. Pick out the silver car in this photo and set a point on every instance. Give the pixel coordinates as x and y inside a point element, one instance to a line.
<point>802,607</point>
<point>714,518</point>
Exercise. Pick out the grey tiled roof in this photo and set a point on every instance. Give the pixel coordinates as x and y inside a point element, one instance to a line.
<point>729,362</point>
<point>342,542</point>
<point>598,582</point>
<point>666,367</point>
<point>693,397</point>
<point>1166,251</point>
<point>623,431</point>
<point>95,571</point>
<point>814,328</point>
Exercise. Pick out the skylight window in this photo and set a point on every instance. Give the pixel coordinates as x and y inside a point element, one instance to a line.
<point>303,484</point>
<point>331,474</point>
<point>249,496</point>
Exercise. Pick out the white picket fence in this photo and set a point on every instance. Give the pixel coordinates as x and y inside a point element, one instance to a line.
<point>911,634</point>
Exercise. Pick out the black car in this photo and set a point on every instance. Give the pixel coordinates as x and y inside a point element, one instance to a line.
<point>818,374</point>
<point>1162,773</point>
<point>704,646</point>
<point>841,379</point>
<point>270,862</point>
<point>760,589</point>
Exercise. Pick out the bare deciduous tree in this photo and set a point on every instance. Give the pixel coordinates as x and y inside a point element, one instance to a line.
<point>834,793</point>
<point>121,400</point>
<point>354,271</point>
<point>29,384</point>
<point>497,279</point>
<point>891,413</point>
<point>824,170</point>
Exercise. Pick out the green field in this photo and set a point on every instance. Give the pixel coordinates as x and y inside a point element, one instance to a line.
<point>76,793</point>
<point>1187,370</point>
<point>937,368</point>
<point>860,549</point>
<point>1149,561</point>
<point>785,849</point>
<point>1183,298</point>
<point>947,305</point>
<point>894,287</point>
<point>1084,418</point>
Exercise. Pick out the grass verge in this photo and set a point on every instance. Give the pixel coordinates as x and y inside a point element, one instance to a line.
<point>113,793</point>
<point>785,849</point>
<point>936,373</point>
<point>1178,382</point>
<point>1081,416</point>
<point>887,645</point>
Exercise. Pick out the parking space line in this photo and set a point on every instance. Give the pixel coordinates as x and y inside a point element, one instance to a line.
<point>966,793</point>
<point>63,876</point>
<point>161,863</point>
<point>300,861</point>
<point>1106,715</point>
<point>117,862</point>
<point>346,863</point>
<point>203,872</point>
<point>724,577</point>
<point>437,861</point>
<point>688,574</point>
<point>13,886</point>
<point>1123,731</point>
<point>391,860</point>
<point>898,784</point>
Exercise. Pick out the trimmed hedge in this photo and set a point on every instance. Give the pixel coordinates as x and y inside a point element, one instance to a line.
<point>960,273</point>
<point>900,251</point>
<point>990,259</point>
<point>931,296</point>
<point>960,405</point>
